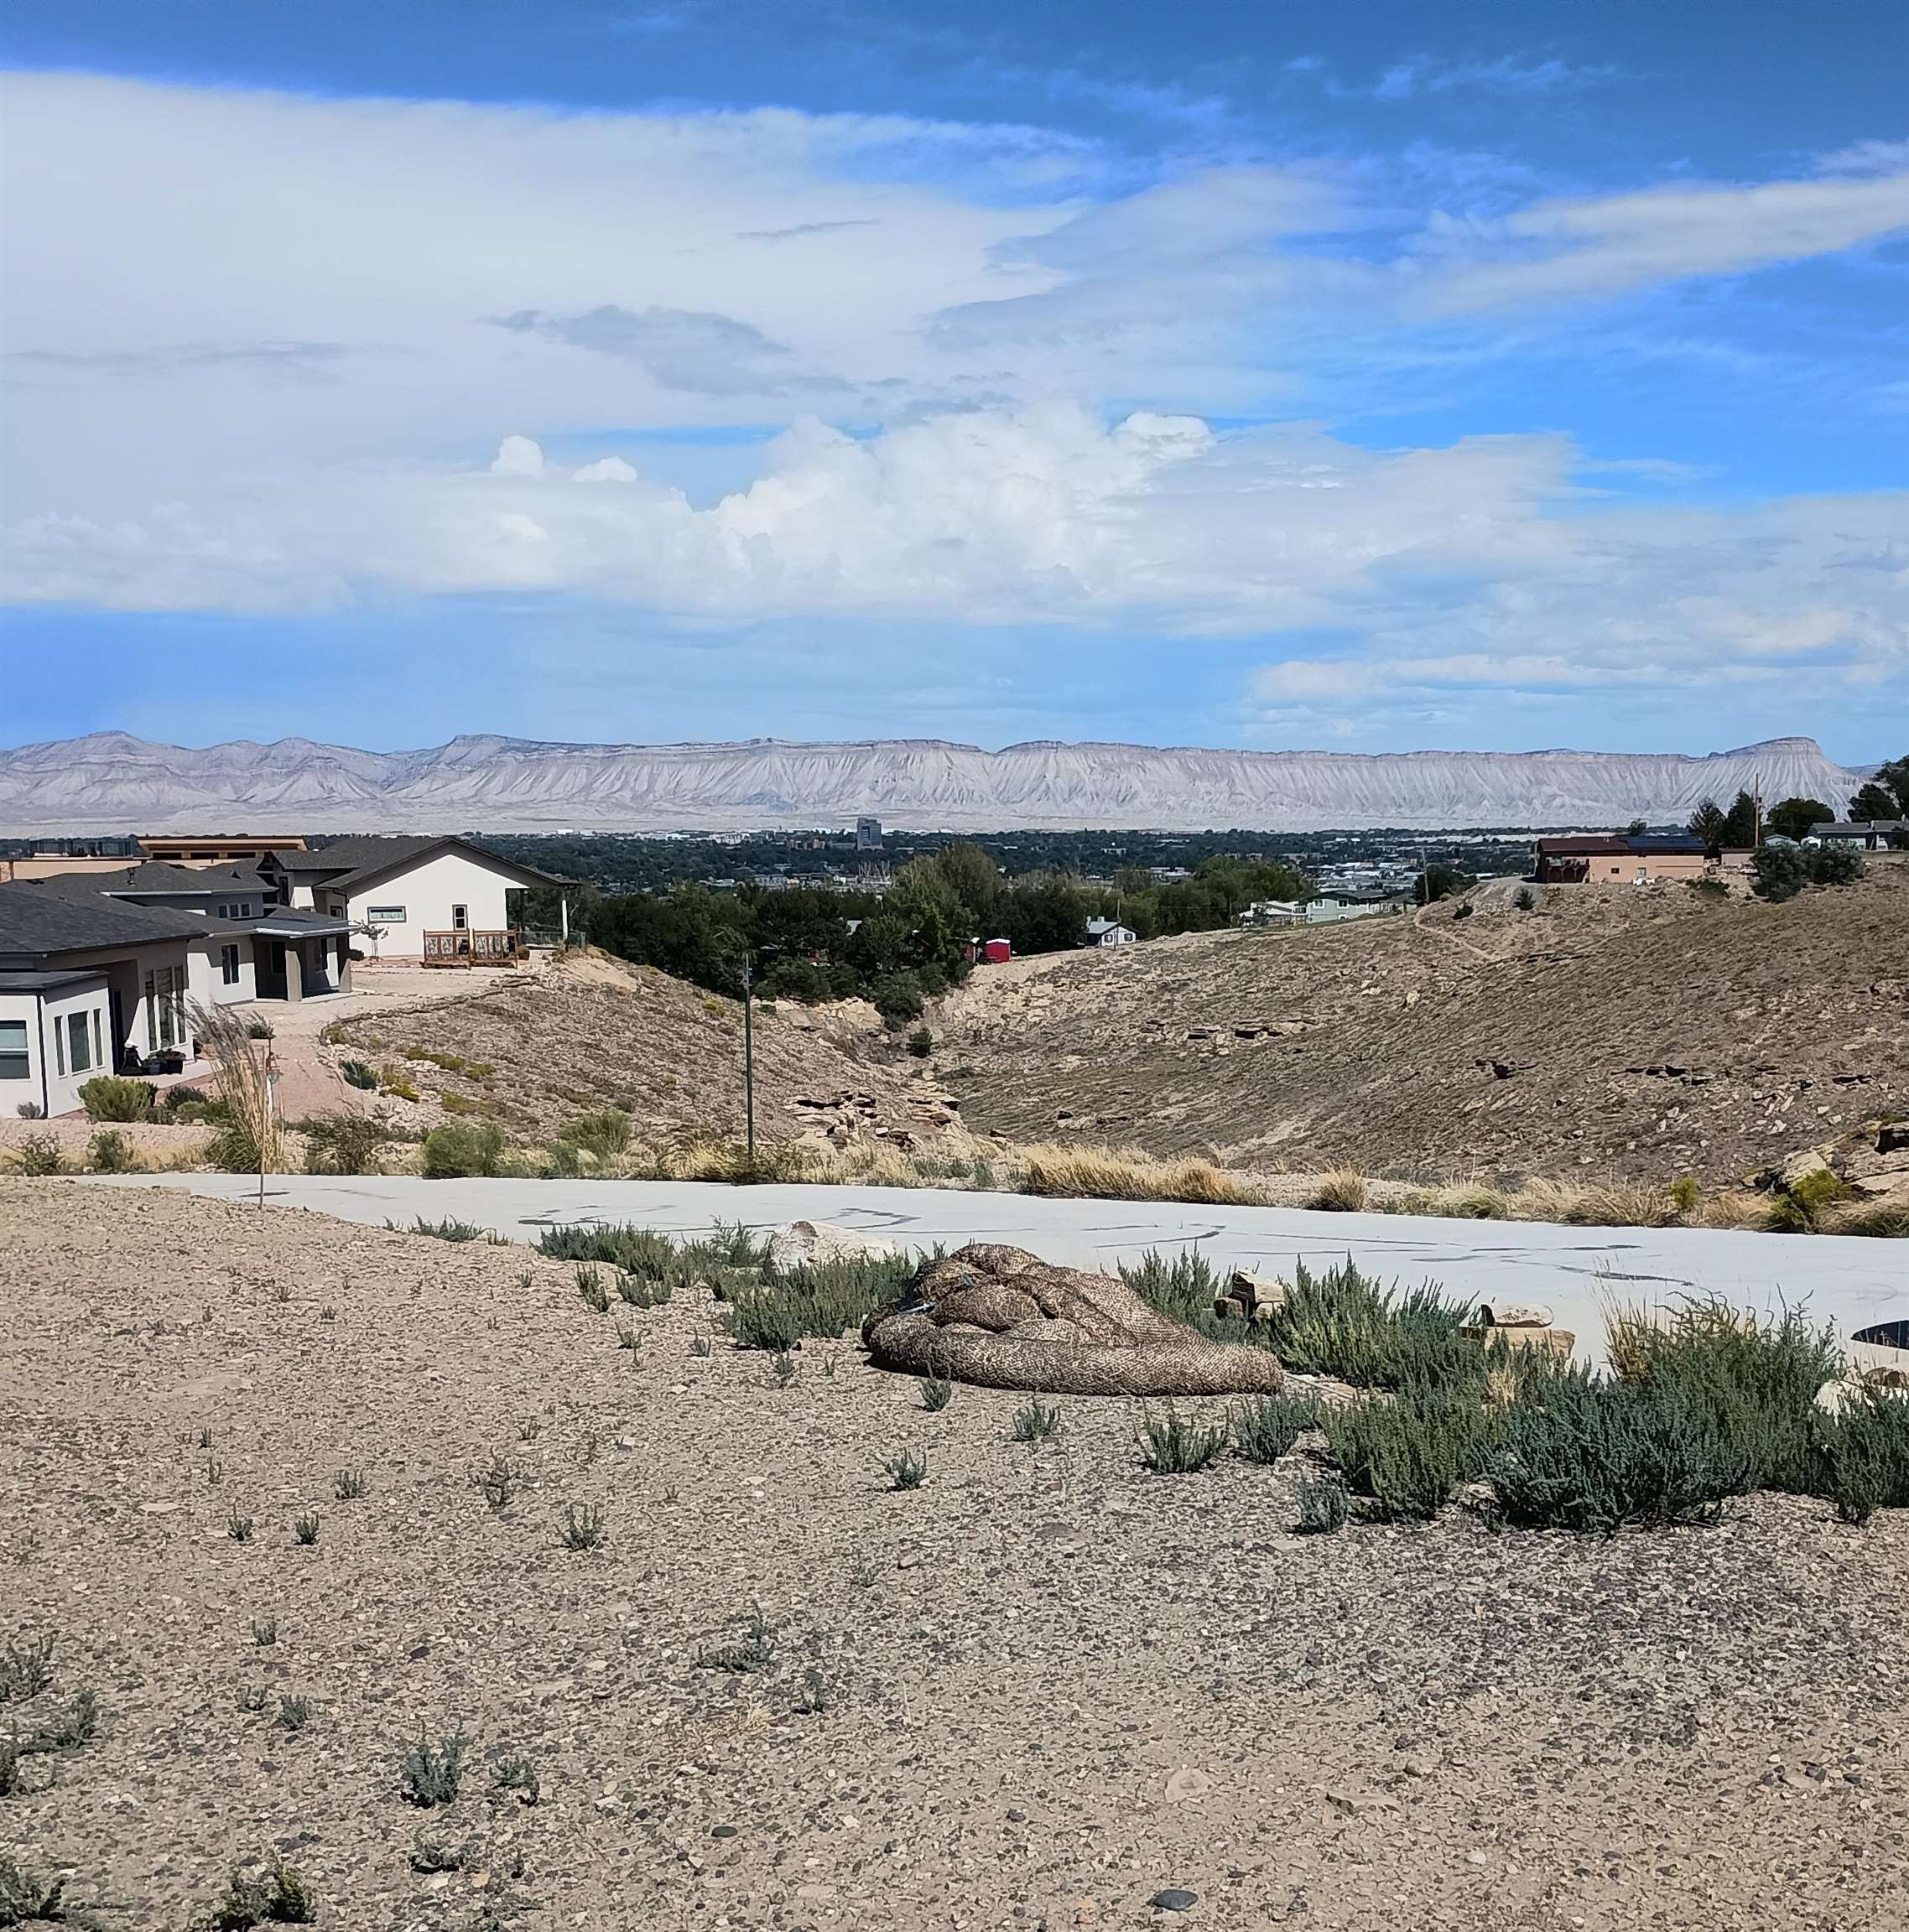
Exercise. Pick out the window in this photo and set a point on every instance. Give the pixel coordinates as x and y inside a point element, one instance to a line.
<point>79,1037</point>
<point>385,915</point>
<point>13,1062</point>
<point>234,909</point>
<point>229,964</point>
<point>459,917</point>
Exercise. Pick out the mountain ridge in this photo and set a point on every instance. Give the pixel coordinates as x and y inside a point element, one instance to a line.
<point>112,782</point>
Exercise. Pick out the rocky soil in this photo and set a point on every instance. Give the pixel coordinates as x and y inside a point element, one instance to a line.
<point>594,1032</point>
<point>1042,1690</point>
<point>1637,1034</point>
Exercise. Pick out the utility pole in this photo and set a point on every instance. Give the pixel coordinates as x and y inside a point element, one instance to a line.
<point>748,1057</point>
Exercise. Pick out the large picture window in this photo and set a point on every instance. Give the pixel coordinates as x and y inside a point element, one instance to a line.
<point>14,1063</point>
<point>80,1041</point>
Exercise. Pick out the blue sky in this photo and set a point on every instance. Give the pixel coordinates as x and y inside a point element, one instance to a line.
<point>1360,377</point>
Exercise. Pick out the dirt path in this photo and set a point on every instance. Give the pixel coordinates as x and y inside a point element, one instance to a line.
<point>1038,1691</point>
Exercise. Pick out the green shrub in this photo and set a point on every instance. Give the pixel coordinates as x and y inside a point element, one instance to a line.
<point>281,1898</point>
<point>604,1133</point>
<point>1685,1195</point>
<point>1172,1444</point>
<point>921,1043</point>
<point>1864,1451</point>
<point>110,1152</point>
<point>1782,871</point>
<point>359,1074</point>
<point>824,1302</point>
<point>937,1392</point>
<point>1407,1455</point>
<point>392,1080</point>
<point>458,1149</point>
<point>25,1900</point>
<point>897,997</point>
<point>107,1097</point>
<point>1593,1456</point>
<point>1267,1429</point>
<point>1037,1421</point>
<point>1833,864</point>
<point>1323,1507</point>
<point>908,1470</point>
<point>40,1154</point>
<point>589,1286</point>
<point>342,1144</point>
<point>450,1228</point>
<point>428,1777</point>
<point>1749,1384</point>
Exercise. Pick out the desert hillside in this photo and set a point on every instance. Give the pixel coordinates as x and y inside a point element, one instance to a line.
<point>533,1052</point>
<point>1642,1033</point>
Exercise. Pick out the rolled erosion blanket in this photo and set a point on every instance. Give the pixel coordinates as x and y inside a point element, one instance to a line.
<point>1003,1318</point>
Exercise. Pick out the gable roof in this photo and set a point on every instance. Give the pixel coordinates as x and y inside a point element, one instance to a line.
<point>40,923</point>
<point>350,863</point>
<point>157,877</point>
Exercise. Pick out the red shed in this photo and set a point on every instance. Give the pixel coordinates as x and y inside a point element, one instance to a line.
<point>997,952</point>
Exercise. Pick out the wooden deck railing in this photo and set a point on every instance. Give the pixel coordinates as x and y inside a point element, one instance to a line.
<point>472,946</point>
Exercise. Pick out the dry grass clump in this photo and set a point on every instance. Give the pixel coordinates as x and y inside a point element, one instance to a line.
<point>1341,1191</point>
<point>248,1141</point>
<point>1735,1207</point>
<point>1597,1204</point>
<point>1126,1174</point>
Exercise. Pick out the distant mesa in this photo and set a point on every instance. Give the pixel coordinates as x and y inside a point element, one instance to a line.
<point>114,783</point>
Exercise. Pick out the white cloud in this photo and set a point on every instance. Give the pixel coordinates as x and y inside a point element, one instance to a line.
<point>316,287</point>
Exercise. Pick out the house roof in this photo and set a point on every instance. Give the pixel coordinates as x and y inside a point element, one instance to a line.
<point>282,922</point>
<point>351,862</point>
<point>41,923</point>
<point>1860,829</point>
<point>33,982</point>
<point>155,876</point>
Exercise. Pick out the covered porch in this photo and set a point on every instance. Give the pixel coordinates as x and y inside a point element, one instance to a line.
<point>305,961</point>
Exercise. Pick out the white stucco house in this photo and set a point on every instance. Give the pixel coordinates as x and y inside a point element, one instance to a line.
<point>99,971</point>
<point>440,900</point>
<point>1110,932</point>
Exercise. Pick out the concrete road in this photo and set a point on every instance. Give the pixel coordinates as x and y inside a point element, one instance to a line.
<point>1849,1282</point>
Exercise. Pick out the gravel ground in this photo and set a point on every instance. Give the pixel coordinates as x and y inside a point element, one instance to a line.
<point>1051,1687</point>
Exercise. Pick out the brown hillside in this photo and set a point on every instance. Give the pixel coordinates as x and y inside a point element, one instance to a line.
<point>1641,1033</point>
<point>595,1032</point>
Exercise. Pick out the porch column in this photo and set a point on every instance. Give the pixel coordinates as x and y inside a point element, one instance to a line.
<point>294,971</point>
<point>343,965</point>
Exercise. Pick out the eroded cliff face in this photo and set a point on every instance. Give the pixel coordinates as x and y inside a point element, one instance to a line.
<point>112,782</point>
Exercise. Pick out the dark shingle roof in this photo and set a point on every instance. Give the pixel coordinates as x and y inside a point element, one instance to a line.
<point>356,854</point>
<point>155,875</point>
<point>40,923</point>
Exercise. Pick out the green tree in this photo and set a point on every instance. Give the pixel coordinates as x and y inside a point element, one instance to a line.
<point>1741,828</point>
<point>1438,882</point>
<point>1794,817</point>
<point>1706,823</point>
<point>1637,828</point>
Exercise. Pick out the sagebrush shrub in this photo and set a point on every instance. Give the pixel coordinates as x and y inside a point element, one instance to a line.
<point>1865,1450</point>
<point>1174,1444</point>
<point>1592,1456</point>
<point>342,1144</point>
<point>40,1155</point>
<point>430,1776</point>
<point>1036,1421</point>
<point>110,1152</point>
<point>460,1148</point>
<point>1267,1429</point>
<point>108,1097</point>
<point>1407,1455</point>
<point>1323,1507</point>
<point>604,1133</point>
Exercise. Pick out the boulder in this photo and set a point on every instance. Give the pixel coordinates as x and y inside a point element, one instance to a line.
<point>814,1243</point>
<point>1514,1315</point>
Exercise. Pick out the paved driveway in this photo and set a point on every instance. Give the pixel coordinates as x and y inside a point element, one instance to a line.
<point>1851,1283</point>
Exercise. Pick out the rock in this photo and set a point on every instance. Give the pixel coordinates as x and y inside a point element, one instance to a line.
<point>1187,1783</point>
<point>1474,1856</point>
<point>813,1243</point>
<point>1174,1899</point>
<point>1558,1341</point>
<point>1892,1137</point>
<point>1802,1167</point>
<point>1257,1291</point>
<point>1514,1315</point>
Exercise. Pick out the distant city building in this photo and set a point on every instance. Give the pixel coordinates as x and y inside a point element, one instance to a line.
<point>868,834</point>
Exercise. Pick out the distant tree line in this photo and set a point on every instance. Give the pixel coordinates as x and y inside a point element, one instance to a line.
<point>1885,797</point>
<point>907,944</point>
